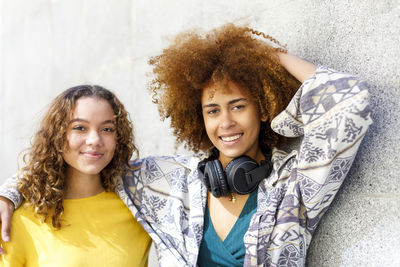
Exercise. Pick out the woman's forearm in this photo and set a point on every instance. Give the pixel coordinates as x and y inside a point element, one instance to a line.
<point>299,68</point>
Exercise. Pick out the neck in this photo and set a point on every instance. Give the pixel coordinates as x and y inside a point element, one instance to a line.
<point>80,185</point>
<point>257,156</point>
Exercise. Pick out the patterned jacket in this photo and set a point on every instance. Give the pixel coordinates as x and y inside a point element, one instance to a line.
<point>329,115</point>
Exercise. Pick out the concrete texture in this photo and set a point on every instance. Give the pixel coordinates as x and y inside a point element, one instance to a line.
<point>47,46</point>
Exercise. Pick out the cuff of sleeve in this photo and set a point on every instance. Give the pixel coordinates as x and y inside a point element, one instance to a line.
<point>14,199</point>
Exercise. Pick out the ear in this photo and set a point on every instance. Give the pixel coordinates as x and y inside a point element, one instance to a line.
<point>264,118</point>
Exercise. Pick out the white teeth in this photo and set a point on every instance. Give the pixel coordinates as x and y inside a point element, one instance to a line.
<point>230,138</point>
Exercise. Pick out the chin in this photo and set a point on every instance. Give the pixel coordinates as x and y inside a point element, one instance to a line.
<point>92,171</point>
<point>231,154</point>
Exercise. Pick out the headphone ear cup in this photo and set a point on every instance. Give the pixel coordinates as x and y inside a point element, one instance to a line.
<point>203,176</point>
<point>217,179</point>
<point>236,174</point>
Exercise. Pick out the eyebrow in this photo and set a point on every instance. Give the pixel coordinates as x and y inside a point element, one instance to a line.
<point>233,101</point>
<point>83,120</point>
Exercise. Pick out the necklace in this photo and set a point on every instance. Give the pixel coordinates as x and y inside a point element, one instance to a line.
<point>232,198</point>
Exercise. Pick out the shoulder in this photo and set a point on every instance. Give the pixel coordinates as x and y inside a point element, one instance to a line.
<point>24,214</point>
<point>154,166</point>
<point>24,222</point>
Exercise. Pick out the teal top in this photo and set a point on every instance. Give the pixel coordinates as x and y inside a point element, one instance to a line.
<point>230,252</point>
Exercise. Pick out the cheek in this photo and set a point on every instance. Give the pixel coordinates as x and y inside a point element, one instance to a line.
<point>254,123</point>
<point>210,126</point>
<point>73,142</point>
<point>114,146</point>
<point>68,156</point>
<point>111,143</point>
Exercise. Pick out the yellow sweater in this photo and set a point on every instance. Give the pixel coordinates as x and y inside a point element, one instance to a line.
<point>97,231</point>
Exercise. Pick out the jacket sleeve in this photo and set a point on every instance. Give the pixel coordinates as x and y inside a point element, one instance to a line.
<point>330,112</point>
<point>151,190</point>
<point>9,190</point>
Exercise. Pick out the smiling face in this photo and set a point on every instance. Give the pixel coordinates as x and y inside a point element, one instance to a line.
<point>232,121</point>
<point>90,137</point>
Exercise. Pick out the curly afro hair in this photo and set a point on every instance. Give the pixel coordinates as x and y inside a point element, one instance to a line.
<point>229,53</point>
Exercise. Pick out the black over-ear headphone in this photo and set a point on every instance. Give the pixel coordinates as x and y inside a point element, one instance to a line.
<point>242,175</point>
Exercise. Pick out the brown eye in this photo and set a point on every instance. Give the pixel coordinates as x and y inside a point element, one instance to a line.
<point>78,128</point>
<point>109,129</point>
<point>212,111</point>
<point>238,107</point>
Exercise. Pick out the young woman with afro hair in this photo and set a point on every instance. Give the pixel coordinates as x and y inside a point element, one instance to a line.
<point>272,135</point>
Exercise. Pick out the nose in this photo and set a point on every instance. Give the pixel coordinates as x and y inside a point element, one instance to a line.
<point>227,120</point>
<point>93,138</point>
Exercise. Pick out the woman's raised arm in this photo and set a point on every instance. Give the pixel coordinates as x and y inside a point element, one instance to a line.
<point>298,67</point>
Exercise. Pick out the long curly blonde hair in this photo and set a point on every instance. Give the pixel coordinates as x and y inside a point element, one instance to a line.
<point>195,59</point>
<point>42,179</point>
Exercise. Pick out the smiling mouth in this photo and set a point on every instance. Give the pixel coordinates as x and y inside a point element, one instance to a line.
<point>93,155</point>
<point>230,138</point>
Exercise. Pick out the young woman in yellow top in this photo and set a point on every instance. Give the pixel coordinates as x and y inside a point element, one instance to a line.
<point>71,216</point>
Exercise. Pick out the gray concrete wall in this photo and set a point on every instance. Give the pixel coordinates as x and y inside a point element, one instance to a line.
<point>47,46</point>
